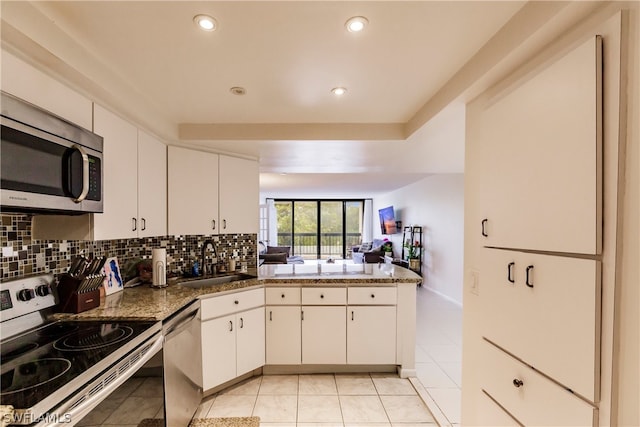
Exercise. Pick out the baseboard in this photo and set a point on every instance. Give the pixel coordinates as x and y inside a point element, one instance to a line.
<point>440,294</point>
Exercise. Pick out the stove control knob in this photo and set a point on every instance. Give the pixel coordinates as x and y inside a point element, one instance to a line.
<point>42,290</point>
<point>26,294</point>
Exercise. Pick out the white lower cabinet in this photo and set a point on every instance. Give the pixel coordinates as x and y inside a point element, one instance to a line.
<point>371,335</point>
<point>283,335</point>
<point>531,398</point>
<point>324,335</point>
<point>233,341</point>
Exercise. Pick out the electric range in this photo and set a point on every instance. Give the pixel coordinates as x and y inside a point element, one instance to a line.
<point>54,373</point>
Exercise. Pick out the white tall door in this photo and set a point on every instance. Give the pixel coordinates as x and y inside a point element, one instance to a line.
<point>192,191</point>
<point>218,351</point>
<point>250,340</point>
<point>120,177</point>
<point>283,335</point>
<point>152,186</point>
<point>541,159</point>
<point>239,195</point>
<point>324,335</point>
<point>371,335</point>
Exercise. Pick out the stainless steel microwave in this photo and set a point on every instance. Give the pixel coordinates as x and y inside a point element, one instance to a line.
<point>47,164</point>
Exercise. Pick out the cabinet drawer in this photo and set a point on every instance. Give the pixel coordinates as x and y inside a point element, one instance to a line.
<point>372,296</point>
<point>531,398</point>
<point>231,303</point>
<point>557,294</point>
<point>324,296</point>
<point>282,296</point>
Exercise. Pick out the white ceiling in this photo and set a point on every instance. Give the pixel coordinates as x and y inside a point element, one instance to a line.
<point>148,59</point>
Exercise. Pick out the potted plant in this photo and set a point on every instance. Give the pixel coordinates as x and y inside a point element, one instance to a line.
<point>387,248</point>
<point>413,254</point>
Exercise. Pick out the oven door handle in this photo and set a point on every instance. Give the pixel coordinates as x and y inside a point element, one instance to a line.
<point>69,413</point>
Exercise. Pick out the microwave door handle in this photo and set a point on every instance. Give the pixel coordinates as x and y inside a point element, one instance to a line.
<point>85,173</point>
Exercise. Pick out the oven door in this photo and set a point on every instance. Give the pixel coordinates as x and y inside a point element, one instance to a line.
<point>89,396</point>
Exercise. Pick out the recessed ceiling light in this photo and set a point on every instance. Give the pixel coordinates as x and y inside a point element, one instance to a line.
<point>205,22</point>
<point>237,90</point>
<point>339,91</point>
<point>356,24</point>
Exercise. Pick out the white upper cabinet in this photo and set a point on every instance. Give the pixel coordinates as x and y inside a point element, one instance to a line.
<point>192,191</point>
<point>239,195</point>
<point>211,193</point>
<point>540,156</point>
<point>152,186</point>
<point>120,179</point>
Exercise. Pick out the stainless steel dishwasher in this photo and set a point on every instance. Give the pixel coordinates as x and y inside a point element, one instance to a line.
<point>182,366</point>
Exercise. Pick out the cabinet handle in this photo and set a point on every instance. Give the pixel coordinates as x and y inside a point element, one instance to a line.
<point>144,224</point>
<point>224,224</point>
<point>510,272</point>
<point>302,315</point>
<point>236,302</point>
<point>213,224</point>
<point>230,326</point>
<point>241,323</point>
<point>517,383</point>
<point>270,316</point>
<point>321,295</point>
<point>282,296</point>
<point>134,224</point>
<point>373,295</point>
<point>484,231</point>
<point>529,279</point>
<point>352,315</point>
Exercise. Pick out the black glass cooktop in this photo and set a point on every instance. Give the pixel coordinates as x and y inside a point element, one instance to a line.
<point>39,362</point>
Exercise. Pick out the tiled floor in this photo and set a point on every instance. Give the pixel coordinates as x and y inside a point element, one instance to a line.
<point>439,351</point>
<point>326,400</point>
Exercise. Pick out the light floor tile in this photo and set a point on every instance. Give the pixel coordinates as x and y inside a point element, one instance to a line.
<point>445,353</point>
<point>150,387</point>
<point>317,385</point>
<point>359,385</point>
<point>319,409</point>
<point>406,409</point>
<point>248,387</point>
<point>204,407</point>
<point>279,384</point>
<point>394,386</point>
<point>134,409</point>
<point>279,408</point>
<point>431,375</point>
<point>334,424</point>
<point>262,424</point>
<point>453,371</point>
<point>367,424</point>
<point>362,409</point>
<point>100,413</point>
<point>448,400</point>
<point>228,405</point>
<point>126,389</point>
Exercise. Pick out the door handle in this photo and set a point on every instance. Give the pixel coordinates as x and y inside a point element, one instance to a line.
<point>484,231</point>
<point>510,272</point>
<point>134,224</point>
<point>213,224</point>
<point>529,279</point>
<point>230,326</point>
<point>144,223</point>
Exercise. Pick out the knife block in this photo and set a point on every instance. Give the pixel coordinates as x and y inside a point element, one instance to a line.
<point>70,300</point>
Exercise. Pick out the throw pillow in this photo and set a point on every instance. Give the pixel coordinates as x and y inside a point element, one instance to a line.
<point>278,250</point>
<point>277,258</point>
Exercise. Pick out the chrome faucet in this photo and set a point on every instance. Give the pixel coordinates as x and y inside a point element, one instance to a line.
<point>209,269</point>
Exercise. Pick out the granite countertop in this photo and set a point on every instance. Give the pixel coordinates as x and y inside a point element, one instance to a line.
<point>147,303</point>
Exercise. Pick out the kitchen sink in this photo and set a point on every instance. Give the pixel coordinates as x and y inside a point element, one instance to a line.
<point>206,282</point>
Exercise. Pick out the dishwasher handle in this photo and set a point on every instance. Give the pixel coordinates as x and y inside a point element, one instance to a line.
<point>181,322</point>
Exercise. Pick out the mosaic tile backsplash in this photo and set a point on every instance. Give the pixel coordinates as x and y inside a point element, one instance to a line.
<point>23,256</point>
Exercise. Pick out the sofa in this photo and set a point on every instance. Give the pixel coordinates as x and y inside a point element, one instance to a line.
<point>277,255</point>
<point>368,252</point>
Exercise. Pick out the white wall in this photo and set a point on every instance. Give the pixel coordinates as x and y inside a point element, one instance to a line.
<point>437,204</point>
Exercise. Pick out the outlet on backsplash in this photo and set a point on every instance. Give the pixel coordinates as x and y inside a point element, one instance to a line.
<point>22,256</point>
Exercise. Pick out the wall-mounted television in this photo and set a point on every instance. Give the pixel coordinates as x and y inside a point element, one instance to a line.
<point>387,220</point>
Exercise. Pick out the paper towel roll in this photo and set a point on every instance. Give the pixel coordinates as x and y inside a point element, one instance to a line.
<point>159,262</point>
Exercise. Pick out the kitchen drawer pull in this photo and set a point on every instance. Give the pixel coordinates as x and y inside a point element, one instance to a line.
<point>134,224</point>
<point>236,302</point>
<point>484,232</point>
<point>321,295</point>
<point>529,279</point>
<point>144,223</point>
<point>373,295</point>
<point>282,296</point>
<point>518,383</point>
<point>510,272</point>
<point>230,326</point>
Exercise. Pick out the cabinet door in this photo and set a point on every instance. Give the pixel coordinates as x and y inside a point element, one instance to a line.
<point>218,351</point>
<point>324,335</point>
<point>371,335</point>
<point>558,294</point>
<point>239,195</point>
<point>152,186</point>
<point>120,178</point>
<point>192,191</point>
<point>541,158</point>
<point>283,335</point>
<point>250,340</point>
